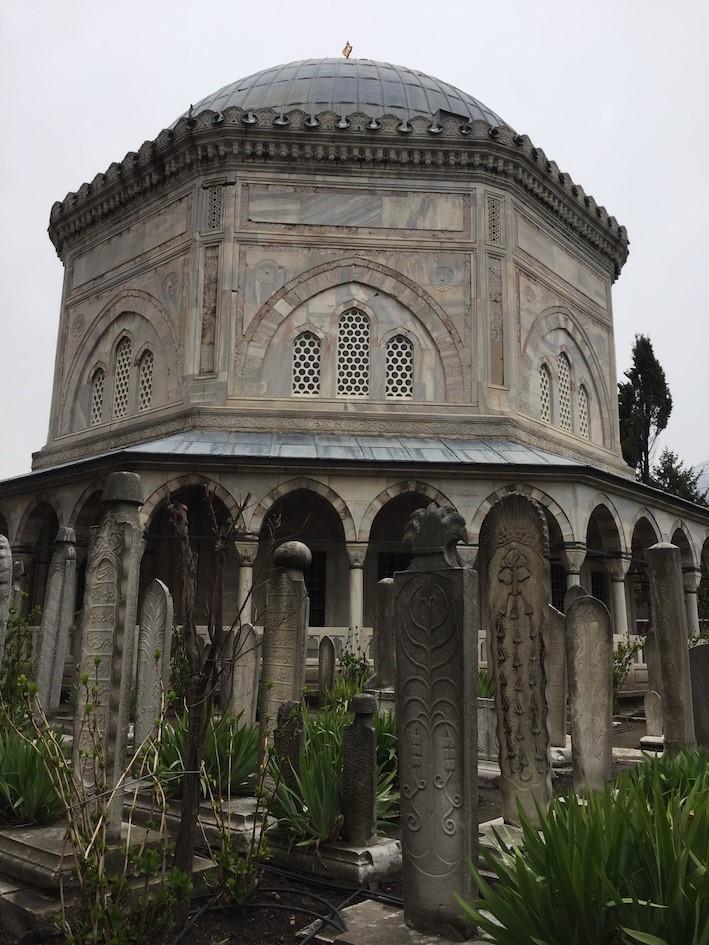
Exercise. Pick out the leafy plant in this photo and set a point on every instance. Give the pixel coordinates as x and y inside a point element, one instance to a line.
<point>486,685</point>
<point>17,663</point>
<point>623,660</point>
<point>680,773</point>
<point>354,665</point>
<point>27,792</point>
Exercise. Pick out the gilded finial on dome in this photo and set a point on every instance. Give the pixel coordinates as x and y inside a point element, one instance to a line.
<point>347,51</point>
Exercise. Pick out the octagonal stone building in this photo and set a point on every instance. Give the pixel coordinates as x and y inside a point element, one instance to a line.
<point>332,292</point>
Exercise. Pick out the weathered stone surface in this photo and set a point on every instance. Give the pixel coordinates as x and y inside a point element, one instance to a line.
<point>346,862</point>
<point>573,593</point>
<point>57,618</point>
<point>669,619</point>
<point>285,633</point>
<point>699,676</point>
<point>589,641</point>
<point>515,579</point>
<point>359,793</point>
<point>153,672</point>
<point>5,589</point>
<point>555,655</point>
<point>289,741</point>
<point>108,632</point>
<point>487,730</point>
<point>241,678</point>
<point>652,660</point>
<point>326,667</point>
<point>653,713</point>
<point>436,623</point>
<point>383,641</point>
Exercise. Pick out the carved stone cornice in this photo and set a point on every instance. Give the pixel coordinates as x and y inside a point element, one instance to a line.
<point>234,137</point>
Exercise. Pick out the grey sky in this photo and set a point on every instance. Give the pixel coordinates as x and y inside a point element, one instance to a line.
<point>615,91</point>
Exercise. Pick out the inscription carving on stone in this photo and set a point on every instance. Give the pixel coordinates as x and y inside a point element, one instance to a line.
<point>57,618</point>
<point>153,671</point>
<point>359,789</point>
<point>5,589</point>
<point>209,309</point>
<point>513,543</point>
<point>589,641</point>
<point>496,321</point>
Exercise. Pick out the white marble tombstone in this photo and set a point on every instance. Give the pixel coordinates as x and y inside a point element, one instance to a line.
<point>57,618</point>
<point>153,669</point>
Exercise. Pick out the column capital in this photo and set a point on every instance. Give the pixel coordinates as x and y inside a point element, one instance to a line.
<point>691,578</point>
<point>573,555</point>
<point>356,552</point>
<point>618,568</point>
<point>246,549</point>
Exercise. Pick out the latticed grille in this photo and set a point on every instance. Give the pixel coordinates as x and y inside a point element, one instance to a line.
<point>145,381</point>
<point>98,385</point>
<point>214,207</point>
<point>400,368</point>
<point>306,364</point>
<point>353,354</point>
<point>583,413</point>
<point>564,392</point>
<point>494,221</point>
<point>121,378</point>
<point>545,394</point>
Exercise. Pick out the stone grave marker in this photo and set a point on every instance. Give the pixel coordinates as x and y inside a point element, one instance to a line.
<point>589,641</point>
<point>359,792</point>
<point>242,675</point>
<point>289,740</point>
<point>153,670</point>
<point>5,590</point>
<point>57,618</point>
<point>699,676</point>
<point>653,714</point>
<point>555,654</point>
<point>326,667</point>
<point>436,621</point>
<point>383,641</point>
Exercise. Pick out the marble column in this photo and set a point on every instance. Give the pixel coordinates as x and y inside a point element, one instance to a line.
<point>617,569</point>
<point>246,554</point>
<point>356,552</point>
<point>573,557</point>
<point>692,579</point>
<point>57,618</point>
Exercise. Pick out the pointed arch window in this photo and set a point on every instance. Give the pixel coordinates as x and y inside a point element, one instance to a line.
<point>564,370</point>
<point>400,368</point>
<point>545,393</point>
<point>306,365</point>
<point>584,425</point>
<point>145,380</point>
<point>121,378</point>
<point>353,354</point>
<point>98,385</point>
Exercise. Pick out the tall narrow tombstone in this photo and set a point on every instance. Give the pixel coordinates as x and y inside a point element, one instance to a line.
<point>652,660</point>
<point>384,643</point>
<point>289,741</point>
<point>108,633</point>
<point>653,714</point>
<point>19,577</point>
<point>285,633</point>
<point>359,787</point>
<point>5,590</point>
<point>589,641</point>
<point>699,677</point>
<point>57,618</point>
<point>555,650</point>
<point>153,671</point>
<point>326,667</point>
<point>436,621</point>
<point>516,581</point>
<point>669,617</point>
<point>241,692</point>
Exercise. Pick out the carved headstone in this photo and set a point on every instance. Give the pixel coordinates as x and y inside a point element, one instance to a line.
<point>652,660</point>
<point>383,642</point>
<point>57,618</point>
<point>153,671</point>
<point>669,618</point>
<point>326,667</point>
<point>285,633</point>
<point>513,546</point>
<point>573,593</point>
<point>5,590</point>
<point>359,787</point>
<point>19,577</point>
<point>436,620</point>
<point>589,641</point>
<point>241,678</point>
<point>555,650</point>
<point>653,713</point>
<point>699,676</point>
<point>289,740</point>
<point>108,632</point>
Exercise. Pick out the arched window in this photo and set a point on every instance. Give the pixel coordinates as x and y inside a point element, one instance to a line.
<point>584,426</point>
<point>400,368</point>
<point>145,380</point>
<point>121,378</point>
<point>98,384</point>
<point>306,364</point>
<point>353,354</point>
<point>545,394</point>
<point>564,392</point>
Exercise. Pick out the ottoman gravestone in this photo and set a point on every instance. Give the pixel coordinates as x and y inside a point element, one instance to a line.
<point>699,677</point>
<point>326,667</point>
<point>242,674</point>
<point>359,789</point>
<point>57,618</point>
<point>5,590</point>
<point>153,670</point>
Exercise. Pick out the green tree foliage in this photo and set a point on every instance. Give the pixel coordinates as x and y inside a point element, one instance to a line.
<point>671,475</point>
<point>644,406</point>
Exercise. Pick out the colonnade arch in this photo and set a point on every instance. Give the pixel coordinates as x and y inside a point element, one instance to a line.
<point>33,546</point>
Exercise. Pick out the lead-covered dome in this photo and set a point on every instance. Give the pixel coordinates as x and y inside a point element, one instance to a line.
<point>345,86</point>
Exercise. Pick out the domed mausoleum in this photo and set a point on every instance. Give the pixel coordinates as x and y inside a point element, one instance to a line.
<point>333,292</point>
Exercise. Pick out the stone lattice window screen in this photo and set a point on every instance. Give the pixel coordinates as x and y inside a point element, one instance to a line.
<point>564,392</point>
<point>214,207</point>
<point>400,368</point>
<point>306,364</point>
<point>584,427</point>
<point>545,394</point>
<point>98,385</point>
<point>494,221</point>
<point>121,378</point>
<point>145,381</point>
<point>353,354</point>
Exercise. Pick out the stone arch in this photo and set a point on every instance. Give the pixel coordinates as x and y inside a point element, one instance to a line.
<point>367,272</point>
<point>608,520</point>
<point>643,514</point>
<point>559,317</point>
<point>551,506</point>
<point>96,485</point>
<point>680,536</point>
<point>3,526</point>
<point>310,485</point>
<point>163,492</point>
<point>391,492</point>
<point>27,531</point>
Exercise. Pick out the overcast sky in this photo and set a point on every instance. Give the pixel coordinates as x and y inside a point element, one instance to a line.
<point>615,91</point>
